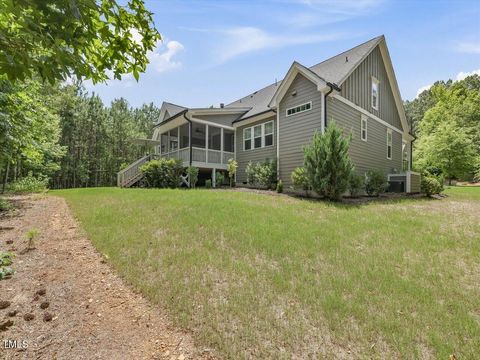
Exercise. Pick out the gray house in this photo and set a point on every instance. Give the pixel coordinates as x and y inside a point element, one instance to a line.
<point>357,89</point>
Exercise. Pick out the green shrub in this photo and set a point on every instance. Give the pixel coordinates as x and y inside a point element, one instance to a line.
<point>232,166</point>
<point>162,173</point>
<point>279,186</point>
<point>4,205</point>
<point>300,180</point>
<point>430,185</point>
<point>375,182</point>
<point>262,174</point>
<point>29,184</point>
<point>208,184</point>
<point>219,179</point>
<point>327,163</point>
<point>355,185</point>
<point>192,173</point>
<point>6,259</point>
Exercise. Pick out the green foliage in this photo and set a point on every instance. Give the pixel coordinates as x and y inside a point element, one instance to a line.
<point>300,180</point>
<point>219,179</point>
<point>6,259</point>
<point>31,235</point>
<point>192,173</point>
<point>262,174</point>
<point>232,167</point>
<point>162,173</point>
<point>327,163</point>
<point>375,182</point>
<point>29,184</point>
<point>208,184</point>
<point>356,184</point>
<point>4,205</point>
<point>280,186</point>
<point>87,38</point>
<point>430,185</point>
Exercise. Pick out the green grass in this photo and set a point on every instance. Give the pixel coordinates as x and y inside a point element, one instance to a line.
<point>276,277</point>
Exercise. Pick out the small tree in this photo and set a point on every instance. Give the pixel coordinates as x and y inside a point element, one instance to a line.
<point>232,166</point>
<point>192,173</point>
<point>375,182</point>
<point>300,180</point>
<point>327,163</point>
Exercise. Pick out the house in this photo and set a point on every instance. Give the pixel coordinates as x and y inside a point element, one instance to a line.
<point>357,89</point>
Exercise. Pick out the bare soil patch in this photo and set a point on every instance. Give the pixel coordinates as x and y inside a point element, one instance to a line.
<point>67,303</point>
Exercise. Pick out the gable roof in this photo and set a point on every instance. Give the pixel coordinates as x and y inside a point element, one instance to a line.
<point>169,110</point>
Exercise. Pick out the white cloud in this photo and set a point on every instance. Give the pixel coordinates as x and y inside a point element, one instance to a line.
<point>243,40</point>
<point>469,47</point>
<point>162,58</point>
<point>462,75</point>
<point>422,89</point>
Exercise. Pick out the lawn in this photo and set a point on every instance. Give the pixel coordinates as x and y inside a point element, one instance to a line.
<point>260,276</point>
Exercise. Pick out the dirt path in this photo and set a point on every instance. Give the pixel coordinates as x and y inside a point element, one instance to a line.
<point>94,314</point>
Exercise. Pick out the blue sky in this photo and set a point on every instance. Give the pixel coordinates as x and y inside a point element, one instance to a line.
<point>219,51</point>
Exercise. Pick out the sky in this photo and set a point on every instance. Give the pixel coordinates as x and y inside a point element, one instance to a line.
<point>215,52</point>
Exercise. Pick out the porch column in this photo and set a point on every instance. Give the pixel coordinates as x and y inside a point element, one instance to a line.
<point>221,145</point>
<point>214,173</point>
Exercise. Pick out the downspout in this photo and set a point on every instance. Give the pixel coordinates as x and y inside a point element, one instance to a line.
<point>189,141</point>
<point>332,87</point>
<point>411,152</point>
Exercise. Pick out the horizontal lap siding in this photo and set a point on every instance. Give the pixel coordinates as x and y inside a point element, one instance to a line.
<point>357,89</point>
<point>371,154</point>
<point>297,130</point>
<point>254,155</point>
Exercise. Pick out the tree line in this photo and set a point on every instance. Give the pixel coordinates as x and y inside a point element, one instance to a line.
<point>66,134</point>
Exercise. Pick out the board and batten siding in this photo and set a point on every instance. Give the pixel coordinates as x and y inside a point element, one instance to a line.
<point>297,130</point>
<point>253,155</point>
<point>370,154</point>
<point>357,88</point>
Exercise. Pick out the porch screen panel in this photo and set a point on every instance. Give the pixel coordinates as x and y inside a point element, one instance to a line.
<point>184,136</point>
<point>198,135</point>
<point>228,140</point>
<point>174,139</point>
<point>214,138</point>
<point>164,142</point>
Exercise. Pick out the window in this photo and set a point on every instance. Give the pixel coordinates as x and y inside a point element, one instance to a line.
<point>299,108</point>
<point>228,140</point>
<point>389,144</point>
<point>268,133</point>
<point>214,138</point>
<point>164,143</point>
<point>198,135</point>
<point>258,136</point>
<point>363,127</point>
<point>247,139</point>
<point>375,89</point>
<point>184,136</point>
<point>173,134</point>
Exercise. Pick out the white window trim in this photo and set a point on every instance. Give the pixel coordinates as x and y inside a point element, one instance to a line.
<point>363,118</point>
<point>375,81</point>
<point>252,136</point>
<point>293,107</point>
<point>389,132</point>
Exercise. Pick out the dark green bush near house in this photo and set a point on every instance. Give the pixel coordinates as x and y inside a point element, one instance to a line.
<point>300,180</point>
<point>355,185</point>
<point>431,185</point>
<point>162,173</point>
<point>280,186</point>
<point>219,179</point>
<point>29,184</point>
<point>192,173</point>
<point>262,174</point>
<point>375,182</point>
<point>327,163</point>
<point>208,184</point>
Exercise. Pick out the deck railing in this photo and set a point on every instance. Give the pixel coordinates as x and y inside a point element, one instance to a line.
<point>199,155</point>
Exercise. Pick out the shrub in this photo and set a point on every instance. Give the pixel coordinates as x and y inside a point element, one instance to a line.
<point>219,179</point>
<point>327,163</point>
<point>300,180</point>
<point>208,184</point>
<point>262,174</point>
<point>29,184</point>
<point>162,173</point>
<point>232,166</point>
<point>355,185</point>
<point>430,185</point>
<point>375,182</point>
<point>250,170</point>
<point>192,173</point>
<point>279,186</point>
<point>6,259</point>
<point>4,205</point>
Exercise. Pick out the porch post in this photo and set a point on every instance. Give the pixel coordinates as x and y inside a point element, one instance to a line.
<point>221,145</point>
<point>206,144</point>
<point>178,142</point>
<point>214,180</point>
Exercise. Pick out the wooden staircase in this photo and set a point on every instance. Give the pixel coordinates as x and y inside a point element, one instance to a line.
<point>132,174</point>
